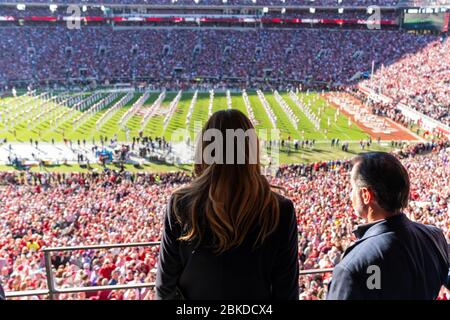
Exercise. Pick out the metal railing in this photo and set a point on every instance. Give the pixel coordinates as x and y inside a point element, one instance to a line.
<point>52,290</point>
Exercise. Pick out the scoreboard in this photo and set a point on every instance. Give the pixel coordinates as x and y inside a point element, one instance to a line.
<point>435,19</point>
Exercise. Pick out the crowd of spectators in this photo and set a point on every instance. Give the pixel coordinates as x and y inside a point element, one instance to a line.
<point>39,210</point>
<point>419,79</point>
<point>52,209</point>
<point>388,110</point>
<point>105,53</point>
<point>392,111</point>
<point>410,69</point>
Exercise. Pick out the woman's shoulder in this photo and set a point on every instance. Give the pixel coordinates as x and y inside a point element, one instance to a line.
<point>287,211</point>
<point>284,202</point>
<point>178,207</point>
<point>178,200</point>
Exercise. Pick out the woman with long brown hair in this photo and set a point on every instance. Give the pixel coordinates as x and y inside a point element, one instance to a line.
<point>228,235</point>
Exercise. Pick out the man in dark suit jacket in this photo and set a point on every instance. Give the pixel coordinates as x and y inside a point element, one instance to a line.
<point>394,257</point>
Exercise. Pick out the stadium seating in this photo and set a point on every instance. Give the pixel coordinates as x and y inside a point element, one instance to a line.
<point>53,209</point>
<point>325,55</point>
<point>39,210</point>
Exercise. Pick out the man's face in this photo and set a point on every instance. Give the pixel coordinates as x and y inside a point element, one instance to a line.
<point>357,202</point>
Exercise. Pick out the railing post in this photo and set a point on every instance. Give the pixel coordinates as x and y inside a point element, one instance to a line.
<point>49,273</point>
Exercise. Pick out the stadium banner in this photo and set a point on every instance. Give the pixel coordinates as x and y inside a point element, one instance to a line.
<point>40,18</point>
<point>202,19</point>
<point>95,18</point>
<point>7,18</point>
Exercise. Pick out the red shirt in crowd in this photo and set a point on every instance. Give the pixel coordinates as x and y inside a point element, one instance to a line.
<point>106,271</point>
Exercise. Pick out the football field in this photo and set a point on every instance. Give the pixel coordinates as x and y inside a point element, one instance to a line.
<point>74,116</point>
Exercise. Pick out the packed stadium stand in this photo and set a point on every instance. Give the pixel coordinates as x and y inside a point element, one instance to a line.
<point>107,54</point>
<point>170,49</point>
<point>330,56</point>
<point>53,209</point>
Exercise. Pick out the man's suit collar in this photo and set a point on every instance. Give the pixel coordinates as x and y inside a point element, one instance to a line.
<point>365,231</point>
<point>381,226</point>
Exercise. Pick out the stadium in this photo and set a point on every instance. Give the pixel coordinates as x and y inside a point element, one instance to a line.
<point>102,102</point>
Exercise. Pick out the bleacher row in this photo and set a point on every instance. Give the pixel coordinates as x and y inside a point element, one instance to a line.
<point>42,210</point>
<point>34,54</point>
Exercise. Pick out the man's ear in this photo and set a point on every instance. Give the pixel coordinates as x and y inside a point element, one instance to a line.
<point>366,195</point>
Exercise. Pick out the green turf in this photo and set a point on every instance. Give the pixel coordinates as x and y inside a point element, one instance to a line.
<point>305,127</point>
<point>238,103</point>
<point>339,129</point>
<point>220,101</point>
<point>283,123</point>
<point>134,123</point>
<point>112,127</point>
<point>262,119</point>
<point>155,127</point>
<point>178,121</point>
<point>200,114</point>
<point>65,130</point>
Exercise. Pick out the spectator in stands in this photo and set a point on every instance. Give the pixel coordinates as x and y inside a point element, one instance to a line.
<point>239,237</point>
<point>393,258</point>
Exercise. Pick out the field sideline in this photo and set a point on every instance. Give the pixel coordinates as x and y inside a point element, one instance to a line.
<point>321,152</point>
